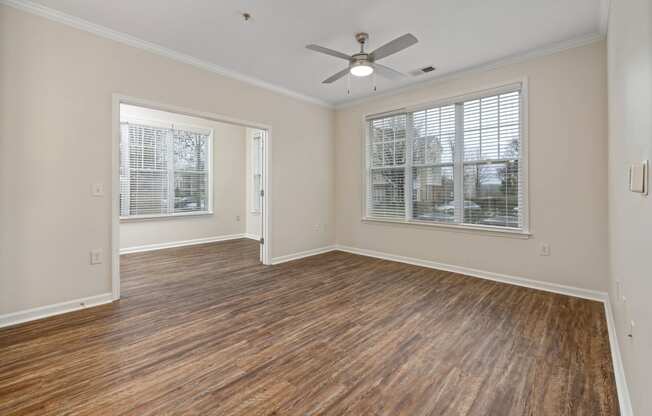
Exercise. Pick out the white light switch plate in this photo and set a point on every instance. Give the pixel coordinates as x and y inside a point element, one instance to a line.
<point>96,256</point>
<point>638,177</point>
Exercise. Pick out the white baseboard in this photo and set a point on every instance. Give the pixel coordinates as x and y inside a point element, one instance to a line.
<point>619,370</point>
<point>497,277</point>
<point>172,244</point>
<point>56,309</point>
<point>302,254</point>
<point>252,236</point>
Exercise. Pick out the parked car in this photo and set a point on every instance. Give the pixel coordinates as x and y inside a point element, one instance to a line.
<point>471,209</point>
<point>446,213</point>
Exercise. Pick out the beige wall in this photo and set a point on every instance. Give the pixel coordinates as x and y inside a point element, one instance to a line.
<point>229,212</point>
<point>253,222</point>
<point>567,169</point>
<point>56,86</point>
<point>630,215</point>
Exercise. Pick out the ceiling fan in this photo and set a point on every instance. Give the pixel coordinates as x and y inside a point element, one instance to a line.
<point>363,64</point>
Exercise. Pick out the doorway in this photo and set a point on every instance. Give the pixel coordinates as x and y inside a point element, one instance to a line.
<point>255,142</point>
<point>183,177</point>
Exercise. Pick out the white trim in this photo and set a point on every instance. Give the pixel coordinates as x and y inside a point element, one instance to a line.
<point>133,41</point>
<point>117,99</point>
<point>524,168</point>
<point>483,274</point>
<point>266,218</point>
<point>487,66</point>
<point>165,124</point>
<point>157,217</point>
<point>55,309</point>
<point>508,84</point>
<point>302,254</point>
<point>251,236</point>
<point>255,145</point>
<point>466,228</point>
<point>182,243</point>
<point>521,85</point>
<point>115,197</point>
<point>468,94</point>
<point>619,370</point>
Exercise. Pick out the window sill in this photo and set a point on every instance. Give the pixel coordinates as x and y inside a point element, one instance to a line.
<point>135,218</point>
<point>486,230</point>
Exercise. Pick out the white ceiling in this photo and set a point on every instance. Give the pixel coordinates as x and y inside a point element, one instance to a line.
<point>453,34</point>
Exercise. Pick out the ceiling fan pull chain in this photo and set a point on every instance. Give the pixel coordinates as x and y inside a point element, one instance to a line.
<point>374,79</point>
<point>348,84</point>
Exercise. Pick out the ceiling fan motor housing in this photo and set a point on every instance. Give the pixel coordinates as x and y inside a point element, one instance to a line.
<point>362,38</point>
<point>360,58</point>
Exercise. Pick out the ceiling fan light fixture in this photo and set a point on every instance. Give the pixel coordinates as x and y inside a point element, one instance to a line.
<point>363,64</point>
<point>361,69</point>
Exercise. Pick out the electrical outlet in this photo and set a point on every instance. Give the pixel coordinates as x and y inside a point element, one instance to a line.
<point>97,189</point>
<point>544,249</point>
<point>96,256</point>
<point>237,218</point>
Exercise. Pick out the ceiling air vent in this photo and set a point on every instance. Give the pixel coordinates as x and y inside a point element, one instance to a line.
<point>422,71</point>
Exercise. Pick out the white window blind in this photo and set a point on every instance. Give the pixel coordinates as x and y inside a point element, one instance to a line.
<point>164,170</point>
<point>457,163</point>
<point>387,150</point>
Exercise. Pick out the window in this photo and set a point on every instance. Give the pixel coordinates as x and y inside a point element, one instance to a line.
<point>165,170</point>
<point>256,170</point>
<point>457,163</point>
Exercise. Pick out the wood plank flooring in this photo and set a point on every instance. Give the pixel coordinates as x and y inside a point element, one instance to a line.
<point>207,330</point>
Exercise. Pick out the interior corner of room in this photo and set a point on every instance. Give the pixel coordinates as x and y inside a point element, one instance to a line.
<point>302,208</point>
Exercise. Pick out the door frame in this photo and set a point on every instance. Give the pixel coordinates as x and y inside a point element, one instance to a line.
<point>117,99</point>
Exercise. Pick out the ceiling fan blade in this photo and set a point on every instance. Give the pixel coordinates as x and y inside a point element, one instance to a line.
<point>388,72</point>
<point>336,76</point>
<point>394,46</point>
<point>327,51</point>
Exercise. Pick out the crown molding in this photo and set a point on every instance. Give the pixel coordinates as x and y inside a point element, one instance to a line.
<point>133,41</point>
<point>487,66</point>
<point>81,24</point>
<point>605,10</point>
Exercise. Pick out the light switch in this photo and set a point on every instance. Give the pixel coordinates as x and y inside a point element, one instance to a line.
<point>96,256</point>
<point>97,189</point>
<point>638,177</point>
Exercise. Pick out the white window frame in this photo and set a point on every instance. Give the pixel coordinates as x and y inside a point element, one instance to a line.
<point>523,232</point>
<point>256,155</point>
<point>180,126</point>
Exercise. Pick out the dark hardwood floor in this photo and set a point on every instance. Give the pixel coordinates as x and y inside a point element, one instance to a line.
<point>207,330</point>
